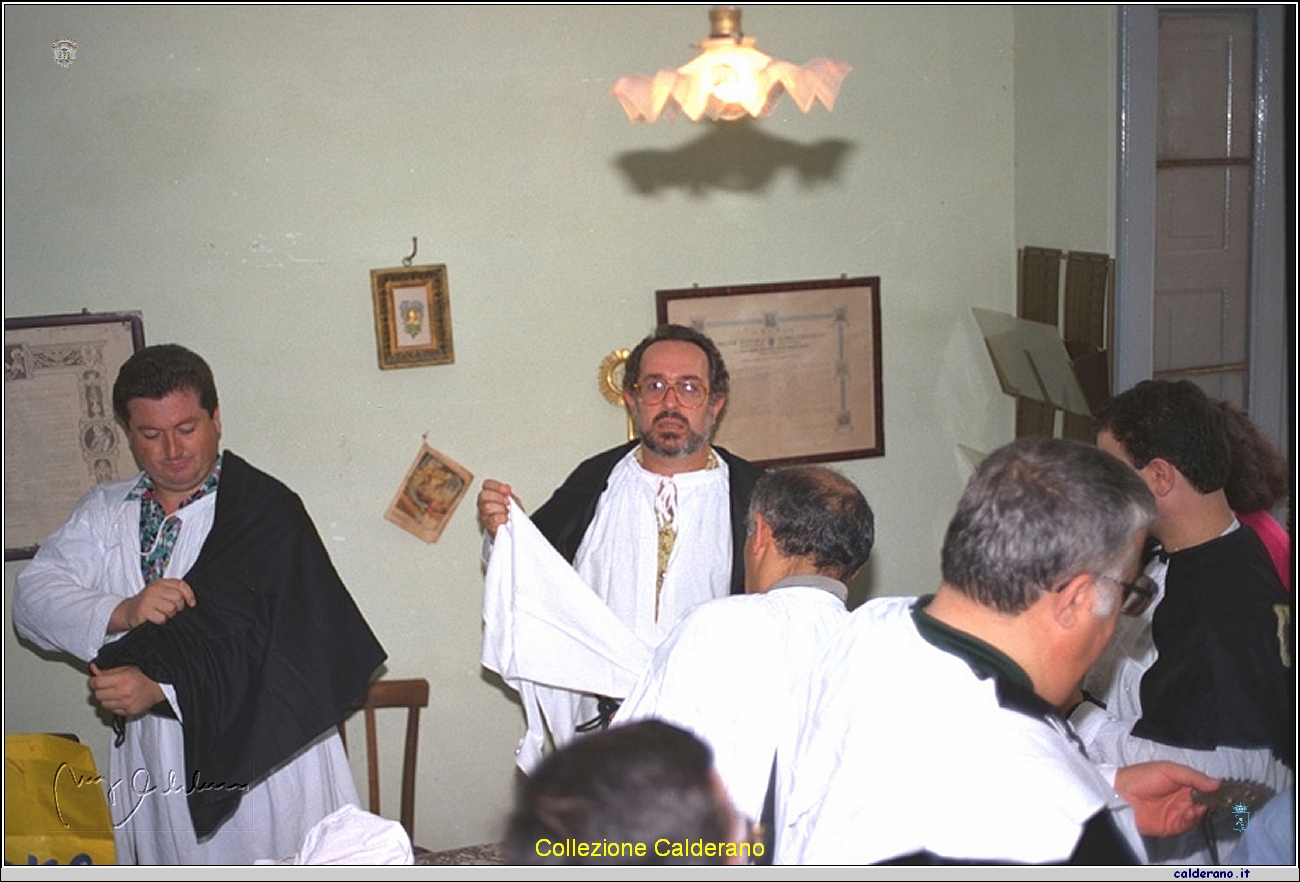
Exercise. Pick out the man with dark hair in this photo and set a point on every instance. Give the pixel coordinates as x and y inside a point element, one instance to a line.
<point>1205,676</point>
<point>734,669</point>
<point>639,794</point>
<point>655,526</point>
<point>212,619</point>
<point>156,371</point>
<point>931,734</point>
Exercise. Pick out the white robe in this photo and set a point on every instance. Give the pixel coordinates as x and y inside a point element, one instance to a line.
<point>63,600</point>
<point>549,637</point>
<point>561,634</point>
<point>619,555</point>
<point>735,673</point>
<point>903,749</point>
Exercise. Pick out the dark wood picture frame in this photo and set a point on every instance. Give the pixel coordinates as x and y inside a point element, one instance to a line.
<point>60,434</point>
<point>805,365</point>
<point>412,316</point>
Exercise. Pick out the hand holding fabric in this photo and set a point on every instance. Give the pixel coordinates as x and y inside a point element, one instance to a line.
<point>1161,796</point>
<point>124,691</point>
<point>158,602</point>
<point>494,505</point>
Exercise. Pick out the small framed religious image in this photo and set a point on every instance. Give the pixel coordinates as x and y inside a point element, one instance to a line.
<point>412,316</point>
<point>805,362</point>
<point>434,485</point>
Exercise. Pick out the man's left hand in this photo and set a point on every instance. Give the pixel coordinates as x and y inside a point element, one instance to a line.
<point>1161,796</point>
<point>124,691</point>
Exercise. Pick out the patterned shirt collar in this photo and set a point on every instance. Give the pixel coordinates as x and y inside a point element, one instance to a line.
<point>145,490</point>
<point>159,530</point>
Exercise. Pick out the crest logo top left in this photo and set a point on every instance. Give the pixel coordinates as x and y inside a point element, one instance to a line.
<point>65,52</point>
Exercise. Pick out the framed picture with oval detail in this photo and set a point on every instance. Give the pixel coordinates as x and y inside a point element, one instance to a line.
<point>412,316</point>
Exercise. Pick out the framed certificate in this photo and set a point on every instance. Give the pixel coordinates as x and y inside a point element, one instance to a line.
<point>804,359</point>
<point>60,435</point>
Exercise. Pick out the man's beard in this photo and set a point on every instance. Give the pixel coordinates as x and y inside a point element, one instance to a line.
<point>681,444</point>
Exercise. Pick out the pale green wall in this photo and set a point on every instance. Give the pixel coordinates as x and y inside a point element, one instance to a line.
<point>1065,127</point>
<point>234,173</point>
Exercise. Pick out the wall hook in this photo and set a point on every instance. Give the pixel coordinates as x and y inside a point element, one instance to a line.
<point>415,246</point>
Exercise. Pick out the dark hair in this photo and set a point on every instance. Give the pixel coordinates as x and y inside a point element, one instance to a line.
<point>818,514</point>
<point>1037,512</point>
<point>637,783</point>
<point>1260,477</point>
<point>157,371</point>
<point>1174,421</point>
<point>719,379</point>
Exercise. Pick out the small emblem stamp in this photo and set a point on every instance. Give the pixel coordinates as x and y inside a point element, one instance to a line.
<point>65,52</point>
<point>1243,817</point>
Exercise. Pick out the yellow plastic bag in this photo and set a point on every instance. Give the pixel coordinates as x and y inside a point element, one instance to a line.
<point>55,808</point>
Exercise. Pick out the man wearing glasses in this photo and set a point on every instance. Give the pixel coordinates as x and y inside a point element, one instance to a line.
<point>655,526</point>
<point>1205,676</point>
<point>932,734</point>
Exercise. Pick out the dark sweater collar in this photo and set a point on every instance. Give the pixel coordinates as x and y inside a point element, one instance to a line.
<point>985,660</point>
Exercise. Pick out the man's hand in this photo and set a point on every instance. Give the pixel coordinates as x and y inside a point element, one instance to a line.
<point>158,602</point>
<point>493,505</point>
<point>1161,796</point>
<point>124,691</point>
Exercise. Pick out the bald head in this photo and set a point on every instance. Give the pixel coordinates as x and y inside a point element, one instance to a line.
<point>817,516</point>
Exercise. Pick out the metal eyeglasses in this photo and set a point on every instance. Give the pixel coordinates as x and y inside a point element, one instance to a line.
<point>1138,594</point>
<point>690,393</point>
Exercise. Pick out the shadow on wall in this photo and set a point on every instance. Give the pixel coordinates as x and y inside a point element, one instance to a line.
<point>734,157</point>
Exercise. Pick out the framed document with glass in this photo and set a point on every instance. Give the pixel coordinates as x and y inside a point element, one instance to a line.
<point>804,359</point>
<point>60,435</point>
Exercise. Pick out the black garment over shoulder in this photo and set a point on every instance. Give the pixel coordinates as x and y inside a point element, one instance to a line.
<point>1224,634</point>
<point>565,517</point>
<point>271,655</point>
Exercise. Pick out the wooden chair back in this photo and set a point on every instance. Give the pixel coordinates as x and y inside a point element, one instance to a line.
<point>411,694</point>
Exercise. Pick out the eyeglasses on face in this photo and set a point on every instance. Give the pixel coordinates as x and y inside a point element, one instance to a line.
<point>1138,594</point>
<point>690,393</point>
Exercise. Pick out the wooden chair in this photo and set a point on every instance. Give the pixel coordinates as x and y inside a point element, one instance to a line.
<point>412,695</point>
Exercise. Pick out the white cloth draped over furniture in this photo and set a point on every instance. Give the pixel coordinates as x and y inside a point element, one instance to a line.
<point>550,637</point>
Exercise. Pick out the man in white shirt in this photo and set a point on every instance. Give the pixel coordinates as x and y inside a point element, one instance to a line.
<point>186,589</point>
<point>654,527</point>
<point>931,733</point>
<point>734,670</point>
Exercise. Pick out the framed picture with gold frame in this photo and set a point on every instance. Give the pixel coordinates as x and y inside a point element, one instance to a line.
<point>412,316</point>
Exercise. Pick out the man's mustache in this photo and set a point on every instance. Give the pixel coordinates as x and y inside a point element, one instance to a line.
<point>670,415</point>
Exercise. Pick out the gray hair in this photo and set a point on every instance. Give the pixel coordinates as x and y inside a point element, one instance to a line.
<point>1038,512</point>
<point>818,514</point>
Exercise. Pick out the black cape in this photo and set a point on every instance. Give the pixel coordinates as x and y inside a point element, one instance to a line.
<point>1224,637</point>
<point>272,654</point>
<point>565,517</point>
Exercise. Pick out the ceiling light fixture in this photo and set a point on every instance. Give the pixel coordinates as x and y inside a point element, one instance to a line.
<point>729,79</point>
